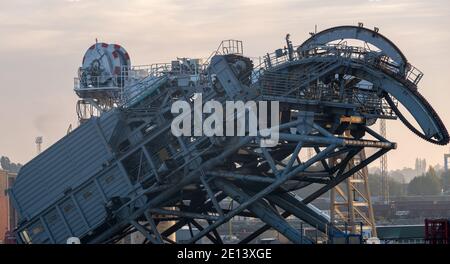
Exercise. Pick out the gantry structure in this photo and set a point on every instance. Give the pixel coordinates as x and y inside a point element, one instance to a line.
<point>124,171</point>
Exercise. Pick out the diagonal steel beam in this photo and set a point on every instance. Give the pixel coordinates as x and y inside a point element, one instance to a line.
<point>208,235</point>
<point>349,173</point>
<point>144,232</point>
<point>264,212</point>
<point>302,211</point>
<point>264,192</point>
<point>317,194</point>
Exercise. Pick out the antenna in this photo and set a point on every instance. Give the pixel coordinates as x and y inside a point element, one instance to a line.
<point>38,142</point>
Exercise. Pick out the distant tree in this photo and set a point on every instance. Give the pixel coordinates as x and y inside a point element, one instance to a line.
<point>9,166</point>
<point>374,184</point>
<point>445,177</point>
<point>395,187</point>
<point>427,184</point>
<point>431,172</point>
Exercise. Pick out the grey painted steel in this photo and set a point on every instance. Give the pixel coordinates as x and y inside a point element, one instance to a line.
<point>226,76</point>
<point>406,97</point>
<point>69,162</point>
<point>85,145</point>
<point>360,33</point>
<point>264,212</point>
<point>125,171</point>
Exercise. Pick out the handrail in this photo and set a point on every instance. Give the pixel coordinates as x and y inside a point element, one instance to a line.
<point>369,102</point>
<point>358,54</point>
<point>229,46</point>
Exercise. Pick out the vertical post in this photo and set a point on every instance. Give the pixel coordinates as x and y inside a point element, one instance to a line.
<point>317,234</point>
<point>370,212</point>
<point>346,233</point>
<point>301,231</point>
<point>383,167</point>
<point>446,171</point>
<point>446,156</point>
<point>39,141</point>
<point>344,198</point>
<point>332,199</point>
<point>361,233</point>
<point>290,49</point>
<point>350,200</point>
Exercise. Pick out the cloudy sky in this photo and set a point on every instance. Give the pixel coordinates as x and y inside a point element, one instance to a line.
<point>42,43</point>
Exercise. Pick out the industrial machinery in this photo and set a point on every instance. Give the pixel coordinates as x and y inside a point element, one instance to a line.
<point>125,171</point>
<point>101,79</point>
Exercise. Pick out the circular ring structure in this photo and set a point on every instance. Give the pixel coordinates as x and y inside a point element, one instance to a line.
<point>358,33</point>
<point>390,83</point>
<point>104,65</point>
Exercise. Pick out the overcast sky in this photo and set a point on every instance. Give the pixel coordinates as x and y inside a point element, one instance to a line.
<point>42,43</point>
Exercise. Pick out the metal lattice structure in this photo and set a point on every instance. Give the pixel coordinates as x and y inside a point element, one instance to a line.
<point>125,171</point>
<point>350,202</point>
<point>384,168</point>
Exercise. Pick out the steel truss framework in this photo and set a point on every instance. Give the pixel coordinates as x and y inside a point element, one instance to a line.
<point>264,196</point>
<point>259,179</point>
<point>350,202</point>
<point>187,179</point>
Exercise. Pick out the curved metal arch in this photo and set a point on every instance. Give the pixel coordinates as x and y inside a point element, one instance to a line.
<point>424,114</point>
<point>359,33</point>
<point>433,129</point>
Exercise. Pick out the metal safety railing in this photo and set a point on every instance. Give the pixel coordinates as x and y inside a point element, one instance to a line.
<point>156,70</point>
<point>357,54</point>
<point>367,57</point>
<point>273,83</point>
<point>87,82</point>
<point>292,84</point>
<point>229,46</point>
<point>151,77</point>
<point>135,93</point>
<point>132,84</point>
<point>301,85</point>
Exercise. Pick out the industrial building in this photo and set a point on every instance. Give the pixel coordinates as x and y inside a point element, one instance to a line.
<point>8,216</point>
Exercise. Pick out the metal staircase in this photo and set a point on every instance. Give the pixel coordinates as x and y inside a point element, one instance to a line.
<point>135,93</point>
<point>287,84</point>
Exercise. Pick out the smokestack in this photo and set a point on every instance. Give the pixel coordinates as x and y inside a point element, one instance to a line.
<point>38,141</point>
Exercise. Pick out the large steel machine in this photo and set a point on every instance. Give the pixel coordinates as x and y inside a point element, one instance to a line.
<point>122,170</point>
